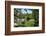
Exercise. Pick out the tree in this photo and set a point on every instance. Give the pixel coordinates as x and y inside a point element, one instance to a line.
<point>17,12</point>
<point>35,14</point>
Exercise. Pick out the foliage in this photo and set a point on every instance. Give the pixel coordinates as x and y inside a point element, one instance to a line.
<point>35,14</point>
<point>31,20</point>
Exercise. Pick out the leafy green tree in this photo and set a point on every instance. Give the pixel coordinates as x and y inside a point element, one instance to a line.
<point>16,12</point>
<point>35,14</point>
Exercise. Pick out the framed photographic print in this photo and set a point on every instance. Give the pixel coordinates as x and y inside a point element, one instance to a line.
<point>24,17</point>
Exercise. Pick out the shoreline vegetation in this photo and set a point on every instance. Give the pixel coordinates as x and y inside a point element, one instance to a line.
<point>24,17</point>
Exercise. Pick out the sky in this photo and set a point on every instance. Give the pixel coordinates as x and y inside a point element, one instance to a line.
<point>28,11</point>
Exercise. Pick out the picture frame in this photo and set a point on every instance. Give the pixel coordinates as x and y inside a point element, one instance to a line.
<point>10,5</point>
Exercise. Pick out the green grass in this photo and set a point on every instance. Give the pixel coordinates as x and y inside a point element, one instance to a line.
<point>29,23</point>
